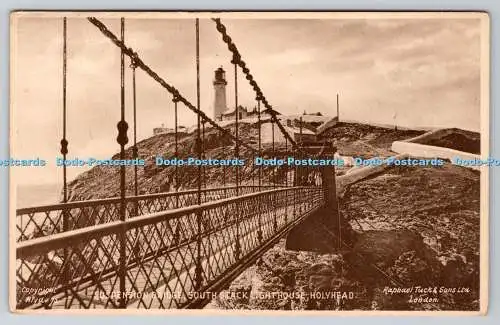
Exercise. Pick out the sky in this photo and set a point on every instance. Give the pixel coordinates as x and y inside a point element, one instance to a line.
<point>413,72</point>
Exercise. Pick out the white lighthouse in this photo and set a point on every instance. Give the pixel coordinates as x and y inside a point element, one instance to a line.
<point>220,93</point>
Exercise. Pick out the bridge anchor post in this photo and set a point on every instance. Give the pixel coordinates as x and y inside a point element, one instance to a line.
<point>324,230</point>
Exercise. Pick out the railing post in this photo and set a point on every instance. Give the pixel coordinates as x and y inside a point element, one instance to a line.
<point>301,173</point>
<point>330,196</point>
<point>237,249</point>
<point>199,213</point>
<point>204,169</point>
<point>135,150</point>
<point>295,183</point>
<point>286,181</point>
<point>122,140</point>
<point>259,209</point>
<point>175,99</point>
<point>275,221</point>
<point>329,187</point>
<point>64,152</point>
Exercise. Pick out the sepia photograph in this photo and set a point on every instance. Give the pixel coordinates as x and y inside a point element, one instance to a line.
<point>257,162</point>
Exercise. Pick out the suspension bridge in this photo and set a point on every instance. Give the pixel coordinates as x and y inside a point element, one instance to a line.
<point>172,249</point>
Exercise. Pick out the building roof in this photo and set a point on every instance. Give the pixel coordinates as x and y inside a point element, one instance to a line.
<point>296,130</point>
<point>242,108</point>
<point>232,110</point>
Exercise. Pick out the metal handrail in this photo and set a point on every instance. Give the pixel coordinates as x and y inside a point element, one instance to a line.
<point>43,245</point>
<point>80,204</point>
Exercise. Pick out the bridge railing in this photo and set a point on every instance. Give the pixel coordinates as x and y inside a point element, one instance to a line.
<point>45,220</point>
<point>171,259</point>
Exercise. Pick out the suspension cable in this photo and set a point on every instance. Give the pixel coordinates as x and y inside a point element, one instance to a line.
<point>232,47</point>
<point>171,89</point>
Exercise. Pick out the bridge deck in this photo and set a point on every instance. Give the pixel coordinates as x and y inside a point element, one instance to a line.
<point>167,254</point>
